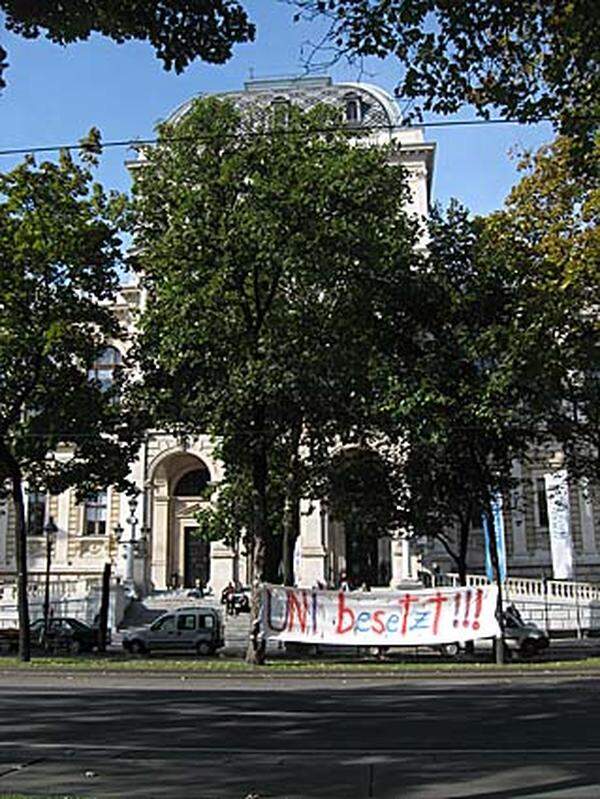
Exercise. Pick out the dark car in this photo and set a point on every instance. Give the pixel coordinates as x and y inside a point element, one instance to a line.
<point>64,634</point>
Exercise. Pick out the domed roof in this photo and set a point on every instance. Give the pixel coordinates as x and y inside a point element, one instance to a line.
<point>378,107</point>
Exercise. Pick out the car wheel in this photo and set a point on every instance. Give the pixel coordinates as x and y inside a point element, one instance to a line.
<point>451,650</point>
<point>137,648</point>
<point>528,648</point>
<point>204,649</point>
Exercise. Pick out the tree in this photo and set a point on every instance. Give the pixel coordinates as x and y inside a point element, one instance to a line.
<point>550,231</point>
<point>275,257</point>
<point>466,409</point>
<point>531,60</point>
<point>510,349</point>
<point>179,30</point>
<point>59,427</point>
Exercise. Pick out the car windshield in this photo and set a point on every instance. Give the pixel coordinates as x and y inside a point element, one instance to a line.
<point>79,625</point>
<point>164,624</point>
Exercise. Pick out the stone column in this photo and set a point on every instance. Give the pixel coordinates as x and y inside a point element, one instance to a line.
<point>401,568</point>
<point>586,515</point>
<point>159,573</point>
<point>312,564</point>
<point>517,514</point>
<point>222,563</point>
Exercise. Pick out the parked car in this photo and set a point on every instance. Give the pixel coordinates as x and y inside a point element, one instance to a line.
<point>187,629</point>
<point>526,638</point>
<point>64,633</point>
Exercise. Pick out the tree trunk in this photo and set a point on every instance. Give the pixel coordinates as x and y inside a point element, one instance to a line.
<point>104,603</point>
<point>255,653</point>
<point>21,558</point>
<point>291,533</point>
<point>291,515</point>
<point>499,642</point>
<point>463,550</point>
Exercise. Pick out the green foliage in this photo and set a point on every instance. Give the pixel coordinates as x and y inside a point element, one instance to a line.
<point>277,261</point>
<point>465,410</point>
<point>59,256</point>
<point>361,492</point>
<point>550,234</point>
<point>509,348</point>
<point>529,59</point>
<point>179,31</point>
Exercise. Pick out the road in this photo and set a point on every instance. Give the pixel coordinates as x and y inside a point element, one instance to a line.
<point>298,739</point>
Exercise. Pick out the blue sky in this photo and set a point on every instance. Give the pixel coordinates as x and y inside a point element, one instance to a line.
<point>54,95</point>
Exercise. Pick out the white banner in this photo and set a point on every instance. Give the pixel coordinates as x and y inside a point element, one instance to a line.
<point>424,617</point>
<point>559,524</point>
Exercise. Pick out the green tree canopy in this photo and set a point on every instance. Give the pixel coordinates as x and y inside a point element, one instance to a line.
<point>178,30</point>
<point>59,426</point>
<point>531,60</point>
<point>277,260</point>
<point>550,233</point>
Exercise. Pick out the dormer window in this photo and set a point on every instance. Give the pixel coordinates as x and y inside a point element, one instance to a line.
<point>281,111</point>
<point>353,110</point>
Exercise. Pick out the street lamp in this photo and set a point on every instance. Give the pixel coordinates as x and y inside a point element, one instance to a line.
<point>51,530</point>
<point>133,546</point>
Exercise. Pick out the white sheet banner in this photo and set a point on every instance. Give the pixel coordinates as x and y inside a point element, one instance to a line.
<point>559,524</point>
<point>422,617</point>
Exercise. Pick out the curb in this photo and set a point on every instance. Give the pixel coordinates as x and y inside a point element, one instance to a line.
<point>260,674</point>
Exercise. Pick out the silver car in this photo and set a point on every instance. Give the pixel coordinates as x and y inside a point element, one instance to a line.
<point>193,629</point>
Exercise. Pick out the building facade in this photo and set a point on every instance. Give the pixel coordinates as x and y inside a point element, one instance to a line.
<point>151,541</point>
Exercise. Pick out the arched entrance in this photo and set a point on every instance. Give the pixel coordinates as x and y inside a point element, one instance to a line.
<point>179,557</point>
<point>196,552</point>
<point>362,511</point>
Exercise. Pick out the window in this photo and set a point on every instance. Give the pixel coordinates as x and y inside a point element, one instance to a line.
<point>95,515</point>
<point>281,112</point>
<point>164,625</point>
<point>193,483</point>
<point>105,366</point>
<point>206,622</point>
<point>541,503</point>
<point>36,512</point>
<point>187,622</point>
<point>353,111</point>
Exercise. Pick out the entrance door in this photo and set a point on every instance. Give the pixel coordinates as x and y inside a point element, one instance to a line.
<point>361,556</point>
<point>197,559</point>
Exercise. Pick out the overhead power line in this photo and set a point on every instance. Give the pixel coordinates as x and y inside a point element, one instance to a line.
<point>132,143</point>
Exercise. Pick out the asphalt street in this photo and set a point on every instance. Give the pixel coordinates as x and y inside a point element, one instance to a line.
<point>297,738</point>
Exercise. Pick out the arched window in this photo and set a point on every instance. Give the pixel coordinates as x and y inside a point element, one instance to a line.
<point>105,366</point>
<point>353,110</point>
<point>193,483</point>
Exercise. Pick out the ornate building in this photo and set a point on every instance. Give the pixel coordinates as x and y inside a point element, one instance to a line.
<point>151,542</point>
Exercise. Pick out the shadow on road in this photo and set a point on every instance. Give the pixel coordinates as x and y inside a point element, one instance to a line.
<point>417,741</point>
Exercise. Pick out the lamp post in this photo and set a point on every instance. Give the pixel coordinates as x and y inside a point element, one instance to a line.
<point>134,546</point>
<point>51,530</point>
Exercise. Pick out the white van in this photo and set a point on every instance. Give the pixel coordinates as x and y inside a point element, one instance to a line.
<point>187,629</point>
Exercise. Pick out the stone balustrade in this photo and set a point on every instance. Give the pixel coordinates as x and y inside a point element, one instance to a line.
<point>561,606</point>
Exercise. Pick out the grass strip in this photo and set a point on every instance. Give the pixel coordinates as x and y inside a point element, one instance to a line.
<point>119,664</point>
